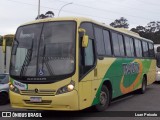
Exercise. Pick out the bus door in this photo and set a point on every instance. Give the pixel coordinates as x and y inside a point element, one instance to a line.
<point>86,66</point>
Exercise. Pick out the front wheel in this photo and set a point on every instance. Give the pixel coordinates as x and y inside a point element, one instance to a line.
<point>104,99</point>
<point>3,98</point>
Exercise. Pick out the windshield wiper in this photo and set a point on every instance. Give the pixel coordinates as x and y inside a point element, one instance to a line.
<point>45,61</point>
<point>15,46</point>
<point>27,60</point>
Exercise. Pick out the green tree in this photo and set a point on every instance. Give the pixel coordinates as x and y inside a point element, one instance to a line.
<point>48,14</point>
<point>150,31</point>
<point>120,23</point>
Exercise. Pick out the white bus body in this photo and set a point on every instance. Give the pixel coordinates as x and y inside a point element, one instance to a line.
<point>157,69</point>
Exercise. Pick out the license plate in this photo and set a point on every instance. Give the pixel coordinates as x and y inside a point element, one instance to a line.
<point>35,99</point>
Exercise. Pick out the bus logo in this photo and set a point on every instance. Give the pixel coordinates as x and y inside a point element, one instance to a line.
<point>36,90</point>
<point>130,68</point>
<point>41,72</point>
<point>137,68</point>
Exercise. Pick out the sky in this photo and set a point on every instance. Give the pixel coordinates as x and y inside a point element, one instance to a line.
<point>13,13</point>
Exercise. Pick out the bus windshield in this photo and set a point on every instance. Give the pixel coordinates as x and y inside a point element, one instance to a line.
<point>44,50</point>
<point>4,78</point>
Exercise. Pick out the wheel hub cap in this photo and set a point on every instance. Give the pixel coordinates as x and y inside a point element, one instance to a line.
<point>103,98</point>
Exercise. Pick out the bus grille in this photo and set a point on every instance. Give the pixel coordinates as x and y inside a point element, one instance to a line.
<point>44,102</point>
<point>38,93</point>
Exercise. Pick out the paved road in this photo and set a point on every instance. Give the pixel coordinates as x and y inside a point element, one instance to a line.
<point>150,101</point>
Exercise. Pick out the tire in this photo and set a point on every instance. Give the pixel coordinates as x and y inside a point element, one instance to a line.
<point>142,90</point>
<point>4,98</point>
<point>104,100</point>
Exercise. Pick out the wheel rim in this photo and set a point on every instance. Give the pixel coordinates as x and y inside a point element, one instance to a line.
<point>103,98</point>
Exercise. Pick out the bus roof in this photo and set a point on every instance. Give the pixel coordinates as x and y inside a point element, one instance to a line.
<point>8,35</point>
<point>83,19</point>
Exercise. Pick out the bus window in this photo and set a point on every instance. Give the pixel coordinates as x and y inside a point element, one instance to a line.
<point>107,42</point>
<point>132,47</point>
<point>86,58</point>
<point>129,46</point>
<point>138,48</point>
<point>151,50</point>
<point>89,57</point>
<point>89,29</point>
<point>115,44</point>
<point>145,49</point>
<point>99,41</point>
<point>121,45</point>
<point>118,46</point>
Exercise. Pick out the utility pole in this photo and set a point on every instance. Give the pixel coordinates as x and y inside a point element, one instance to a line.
<point>39,2</point>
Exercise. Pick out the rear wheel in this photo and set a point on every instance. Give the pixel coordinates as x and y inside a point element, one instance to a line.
<point>144,86</point>
<point>104,99</point>
<point>3,98</point>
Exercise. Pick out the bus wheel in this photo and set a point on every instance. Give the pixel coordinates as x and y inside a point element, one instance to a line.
<point>104,99</point>
<point>144,85</point>
<point>3,98</point>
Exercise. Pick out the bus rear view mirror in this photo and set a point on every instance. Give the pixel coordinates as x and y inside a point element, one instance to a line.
<point>85,41</point>
<point>158,59</point>
<point>84,38</point>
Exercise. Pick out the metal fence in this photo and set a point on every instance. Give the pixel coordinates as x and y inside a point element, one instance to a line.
<point>7,59</point>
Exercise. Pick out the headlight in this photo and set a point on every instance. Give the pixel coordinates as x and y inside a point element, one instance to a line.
<point>14,89</point>
<point>158,72</point>
<point>70,87</point>
<point>67,88</point>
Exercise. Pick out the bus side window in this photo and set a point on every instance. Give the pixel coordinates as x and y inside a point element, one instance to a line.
<point>145,49</point>
<point>132,47</point>
<point>87,58</point>
<point>138,48</point>
<point>151,50</point>
<point>87,55</point>
<point>107,42</point>
<point>99,41</point>
<point>121,45</point>
<point>118,46</point>
<point>127,45</point>
<point>115,42</point>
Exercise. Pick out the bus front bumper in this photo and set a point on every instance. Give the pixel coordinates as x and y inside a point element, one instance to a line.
<point>65,102</point>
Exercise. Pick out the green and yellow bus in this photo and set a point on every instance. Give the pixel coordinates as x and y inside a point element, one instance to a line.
<point>74,63</point>
<point>6,41</point>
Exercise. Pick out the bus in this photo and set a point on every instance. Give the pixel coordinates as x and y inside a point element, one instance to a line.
<point>73,63</point>
<point>157,50</point>
<point>6,41</point>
